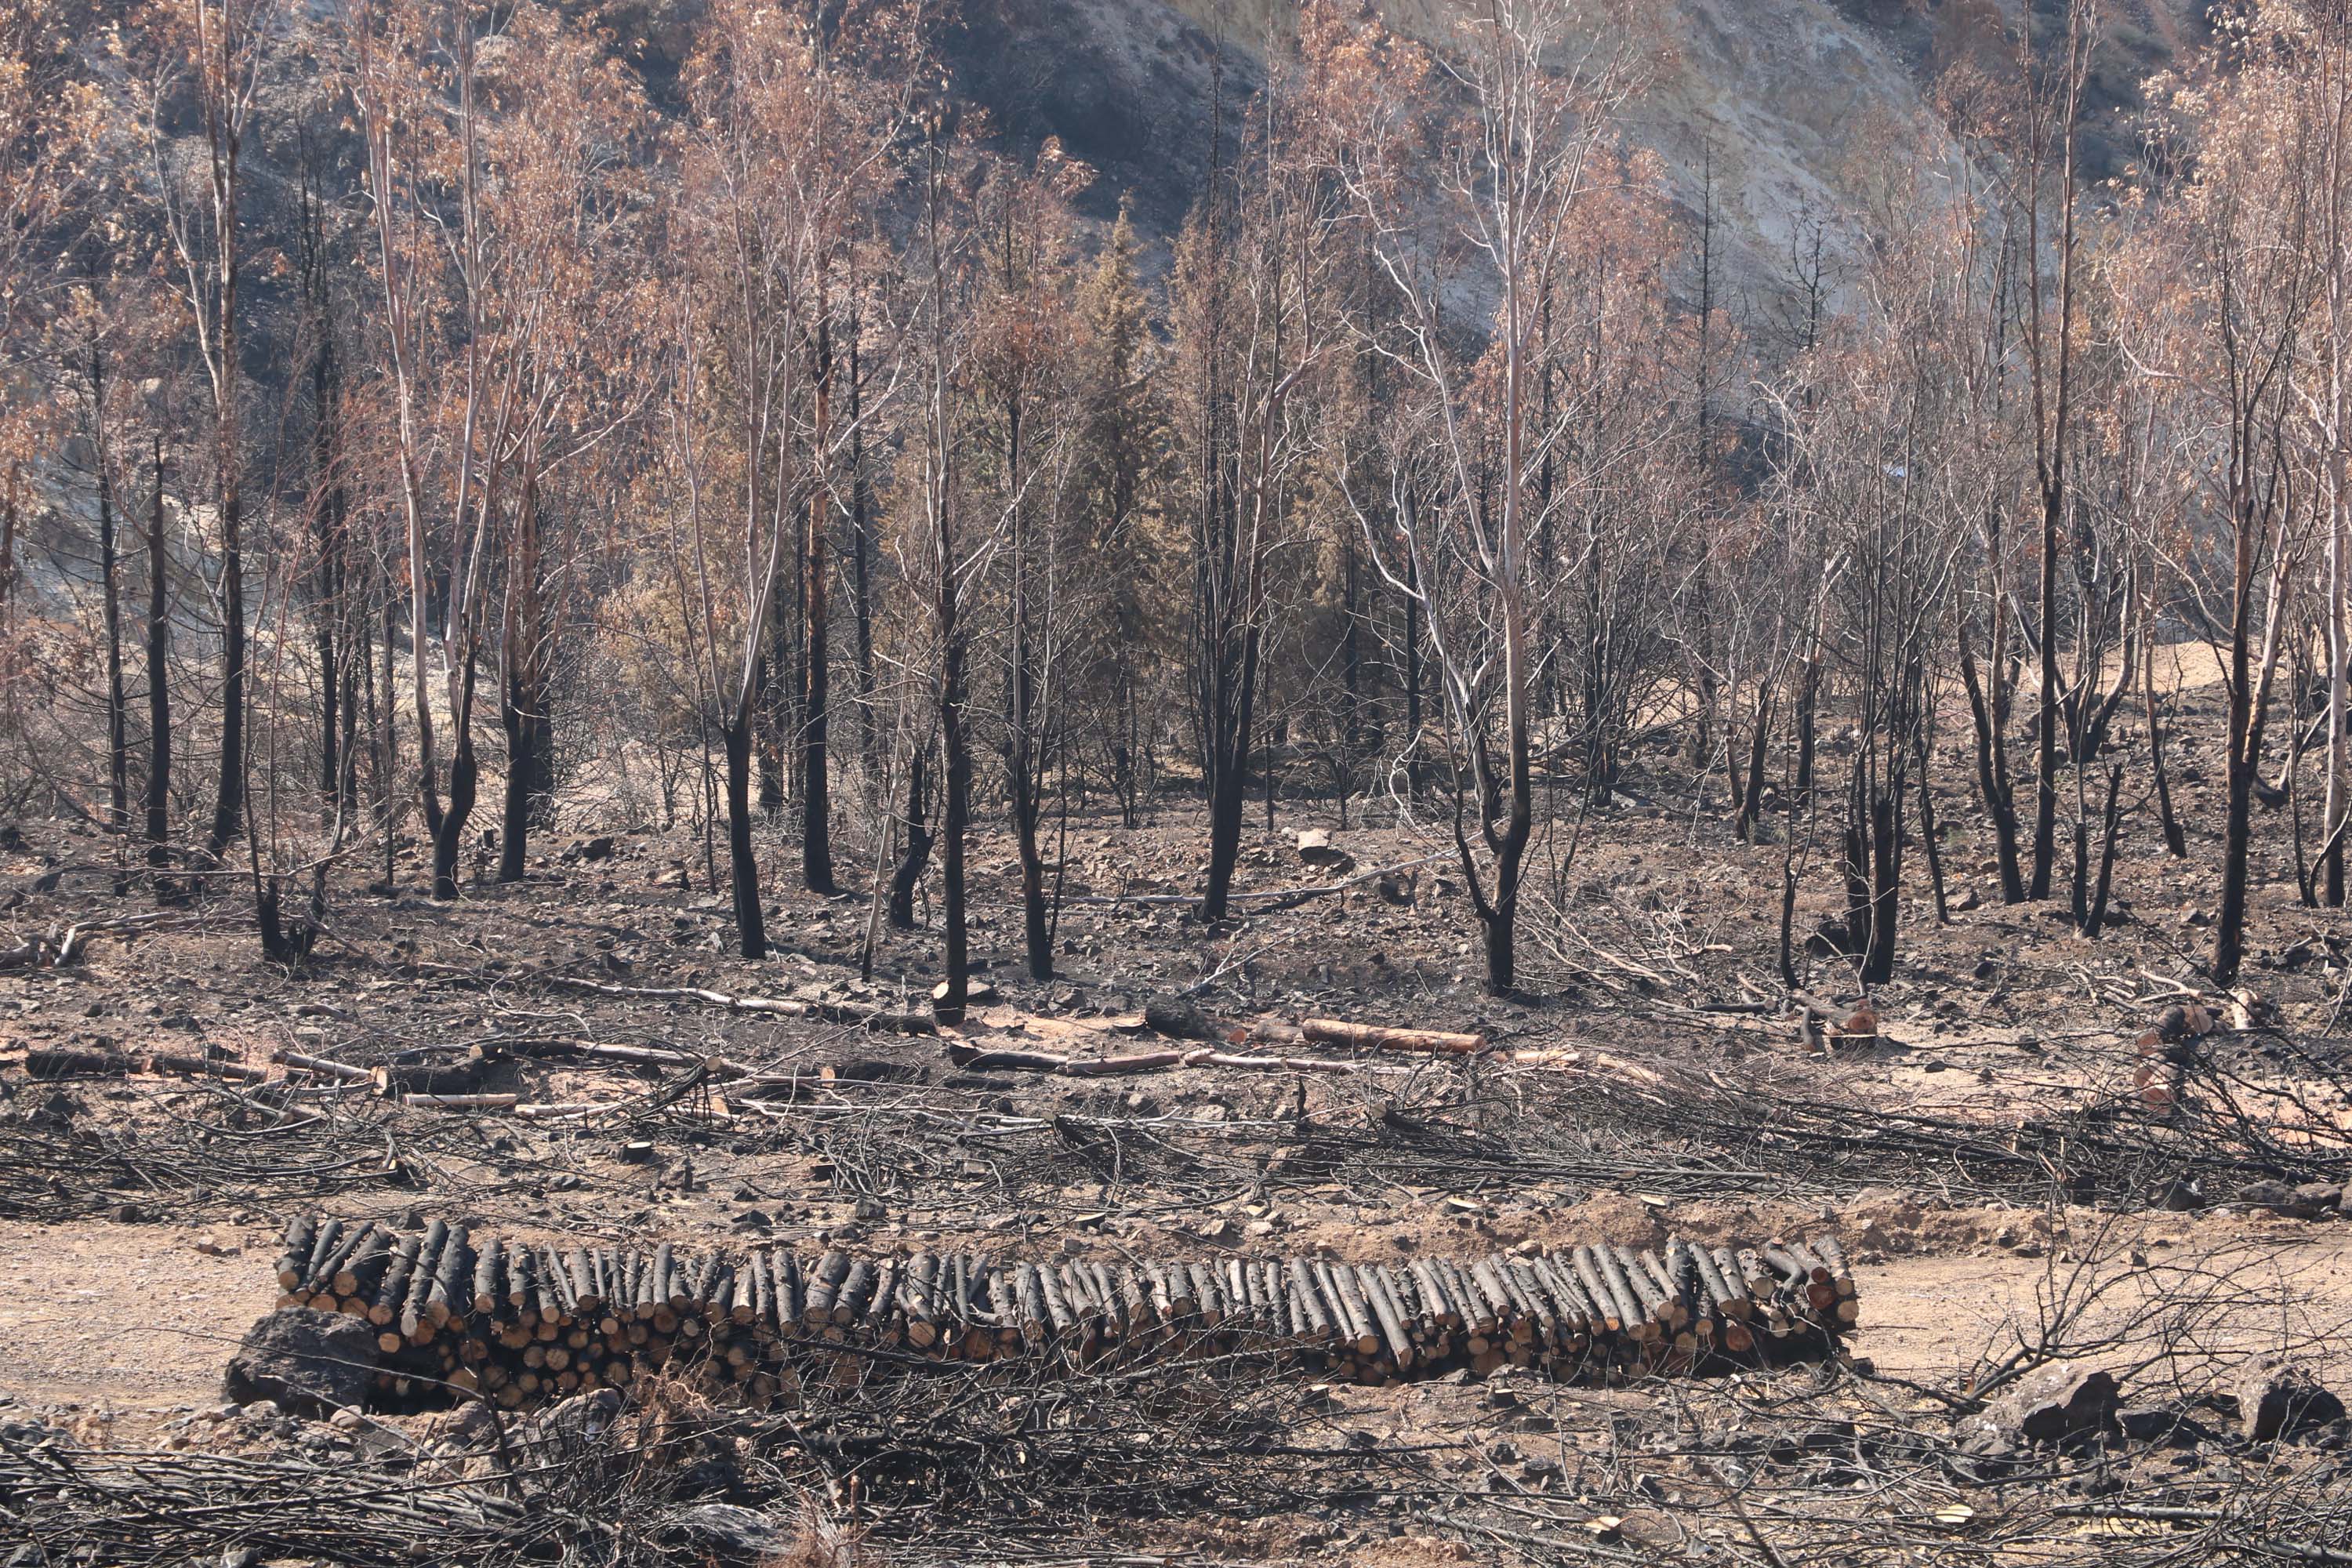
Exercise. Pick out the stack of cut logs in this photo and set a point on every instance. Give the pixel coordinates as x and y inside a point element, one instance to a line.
<point>524,1322</point>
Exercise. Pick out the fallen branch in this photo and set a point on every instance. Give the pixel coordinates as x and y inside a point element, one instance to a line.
<point>982,1059</point>
<point>558,1110</point>
<point>1569,1058</point>
<point>1278,898</point>
<point>871,1017</point>
<point>322,1065</point>
<point>977,1059</point>
<point>55,949</point>
<point>55,1064</point>
<point>1377,1037</point>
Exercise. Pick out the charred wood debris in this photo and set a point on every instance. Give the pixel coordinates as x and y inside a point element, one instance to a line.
<point>1024,1434</point>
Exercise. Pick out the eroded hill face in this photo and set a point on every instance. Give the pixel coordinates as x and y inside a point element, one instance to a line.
<point>1802,109</point>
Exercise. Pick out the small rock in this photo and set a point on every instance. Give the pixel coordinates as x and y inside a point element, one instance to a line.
<point>347,1420</point>
<point>2052,1404</point>
<point>2161,1424</point>
<point>577,1419</point>
<point>2319,1197</point>
<point>1315,847</point>
<point>307,1362</point>
<point>2278,1398</point>
<point>2276,1196</point>
<point>1177,1018</point>
<point>716,1528</point>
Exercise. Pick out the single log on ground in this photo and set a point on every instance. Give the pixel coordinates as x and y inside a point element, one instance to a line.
<point>1378,1038</point>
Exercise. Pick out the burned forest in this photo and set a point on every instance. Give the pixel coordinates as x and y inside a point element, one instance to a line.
<point>814,783</point>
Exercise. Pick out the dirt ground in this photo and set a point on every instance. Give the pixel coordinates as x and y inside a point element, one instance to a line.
<point>1995,1141</point>
<point>139,1335</point>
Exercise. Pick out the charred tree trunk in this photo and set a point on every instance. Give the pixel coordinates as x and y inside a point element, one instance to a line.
<point>526,686</point>
<point>2115,817</point>
<point>358,685</point>
<point>1231,715</point>
<point>1886,882</point>
<point>816,674</point>
<point>1036,939</point>
<point>743,859</point>
<point>383,695</point>
<point>1500,918</point>
<point>1809,697</point>
<point>861,558</point>
<point>1934,851</point>
<point>2237,842</point>
<point>919,845</point>
<point>118,721</point>
<point>1412,678</point>
<point>1352,671</point>
<point>767,739</point>
<point>159,684</point>
<point>285,942</point>
<point>939,501</point>
<point>956,815</point>
<point>2176,840</point>
<point>1025,757</point>
<point>1873,868</point>
<point>1125,746</point>
<point>447,823</point>
<point>530,772</point>
<point>228,806</point>
<point>1988,714</point>
<point>1853,866</point>
<point>2046,727</point>
<point>330,544</point>
<point>2091,902</point>
<point>1751,795</point>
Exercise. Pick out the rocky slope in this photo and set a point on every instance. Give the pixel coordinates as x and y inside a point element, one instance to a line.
<point>1797,105</point>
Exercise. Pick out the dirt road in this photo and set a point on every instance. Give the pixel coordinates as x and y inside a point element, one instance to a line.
<point>131,1323</point>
